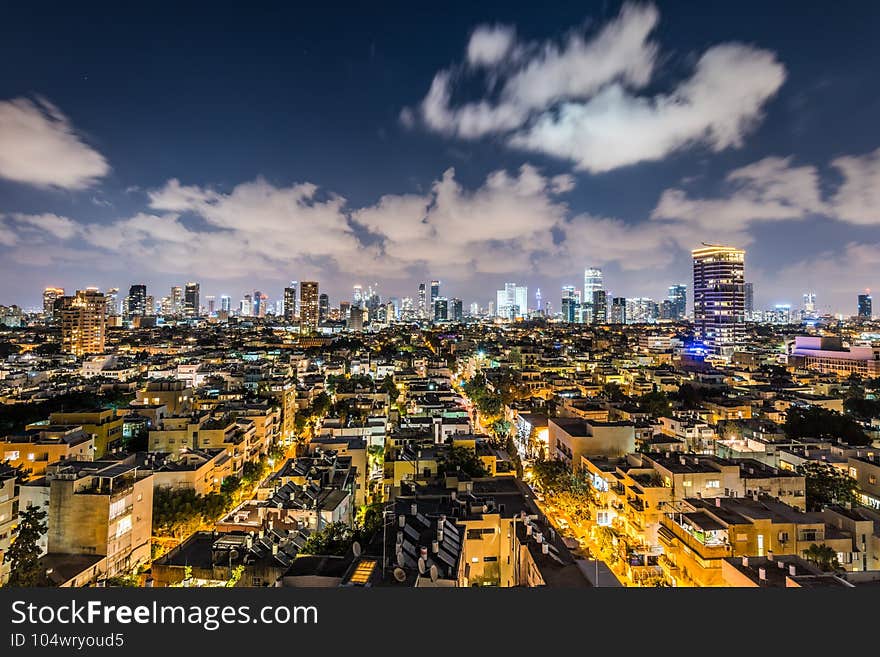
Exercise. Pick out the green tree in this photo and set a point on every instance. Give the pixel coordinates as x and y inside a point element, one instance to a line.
<point>613,392</point>
<point>656,403</point>
<point>823,556</point>
<point>827,485</point>
<point>335,539</point>
<point>24,555</point>
<point>815,422</point>
<point>390,387</point>
<point>458,458</point>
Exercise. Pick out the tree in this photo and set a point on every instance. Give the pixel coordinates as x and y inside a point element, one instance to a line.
<point>335,540</point>
<point>613,392</point>
<point>462,459</point>
<point>23,554</point>
<point>815,422</point>
<point>689,396</point>
<point>823,556</point>
<point>390,387</point>
<point>827,485</point>
<point>656,403</point>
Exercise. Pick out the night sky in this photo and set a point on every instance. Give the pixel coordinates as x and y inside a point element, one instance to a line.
<point>476,143</point>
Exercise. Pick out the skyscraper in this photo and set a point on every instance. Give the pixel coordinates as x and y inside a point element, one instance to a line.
<point>225,303</point>
<point>211,304</point>
<point>809,303</point>
<point>422,308</point>
<point>191,306</point>
<point>865,305</point>
<point>290,303</point>
<point>618,310</point>
<point>600,307</point>
<point>719,297</point>
<point>571,306</point>
<point>677,298</point>
<point>512,302</point>
<point>309,306</point>
<point>112,296</point>
<point>538,305</point>
<point>455,311</point>
<point>435,291</point>
<point>441,309</point>
<point>748,299</point>
<point>50,294</point>
<point>323,307</point>
<point>592,282</point>
<point>83,322</point>
<point>137,300</point>
<point>177,303</point>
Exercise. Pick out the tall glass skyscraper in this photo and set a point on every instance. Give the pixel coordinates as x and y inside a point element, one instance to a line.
<point>592,283</point>
<point>719,297</point>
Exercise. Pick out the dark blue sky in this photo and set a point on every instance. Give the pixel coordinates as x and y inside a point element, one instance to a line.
<point>275,95</point>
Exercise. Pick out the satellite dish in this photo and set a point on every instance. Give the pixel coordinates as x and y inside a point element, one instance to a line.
<point>356,549</point>
<point>422,565</point>
<point>400,559</point>
<point>400,574</point>
<point>434,573</point>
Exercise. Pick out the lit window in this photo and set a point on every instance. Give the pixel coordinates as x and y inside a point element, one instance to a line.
<point>687,483</point>
<point>31,456</point>
<point>713,483</point>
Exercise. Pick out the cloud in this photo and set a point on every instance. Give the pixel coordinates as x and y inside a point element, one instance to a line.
<point>716,107</point>
<point>39,146</point>
<point>551,72</point>
<point>858,198</point>
<point>580,99</point>
<point>57,226</point>
<point>489,44</point>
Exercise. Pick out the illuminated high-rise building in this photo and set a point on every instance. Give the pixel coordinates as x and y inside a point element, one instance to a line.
<point>225,303</point>
<point>191,306</point>
<point>112,295</point>
<point>137,301</point>
<point>618,310</point>
<point>677,298</point>
<point>593,281</point>
<point>538,305</point>
<point>357,296</point>
<point>719,297</point>
<point>435,291</point>
<point>323,307</point>
<point>455,310</point>
<point>177,303</point>
<point>406,309</point>
<point>246,306</point>
<point>571,304</point>
<point>50,294</point>
<point>212,300</point>
<point>600,307</point>
<point>309,306</point>
<point>422,307</point>
<point>865,307</point>
<point>441,309</point>
<point>512,302</point>
<point>83,322</point>
<point>344,310</point>
<point>748,299</point>
<point>290,313</point>
<point>149,304</point>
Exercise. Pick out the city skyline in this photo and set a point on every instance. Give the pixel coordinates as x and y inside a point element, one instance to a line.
<point>593,142</point>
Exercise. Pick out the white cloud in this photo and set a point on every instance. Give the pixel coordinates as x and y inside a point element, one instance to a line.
<point>858,198</point>
<point>489,44</point>
<point>576,69</point>
<point>39,146</point>
<point>717,107</point>
<point>580,101</point>
<point>58,226</point>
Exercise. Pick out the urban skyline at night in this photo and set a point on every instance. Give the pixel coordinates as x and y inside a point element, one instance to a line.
<point>512,146</point>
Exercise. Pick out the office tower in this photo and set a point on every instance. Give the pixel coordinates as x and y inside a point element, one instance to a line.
<point>373,303</point>
<point>137,301</point>
<point>490,309</point>
<point>260,304</point>
<point>246,306</point>
<point>50,294</point>
<point>225,303</point>
<point>308,302</point>
<point>571,306</point>
<point>641,310</point>
<point>149,305</point>
<point>475,309</point>
<point>455,310</point>
<point>406,308</point>
<point>618,310</point>
<point>435,291</point>
<point>719,297</point>
<point>212,302</point>
<point>600,307</point>
<point>422,308</point>
<point>592,283</point>
<point>677,298</point>
<point>538,305</point>
<point>165,306</point>
<point>83,322</point>
<point>781,314</point>
<point>357,296</point>
<point>177,303</point>
<point>112,296</point>
<point>191,306</point>
<point>865,305</point>
<point>323,307</point>
<point>441,309</point>
<point>290,303</point>
<point>548,309</point>
<point>344,310</point>
<point>748,299</point>
<point>355,321</point>
<point>809,303</point>
<point>512,301</point>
